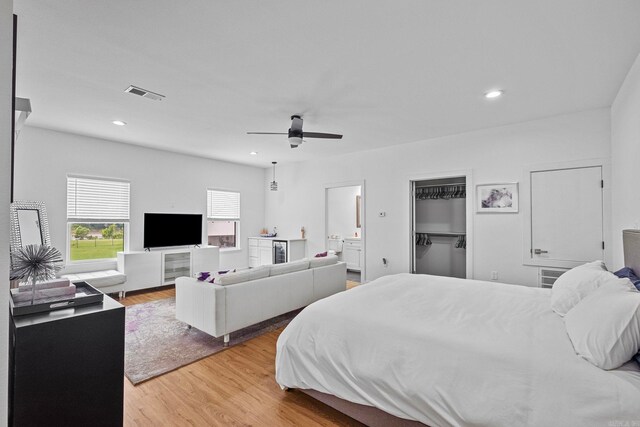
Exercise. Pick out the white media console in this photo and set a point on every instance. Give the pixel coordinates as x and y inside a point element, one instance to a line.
<point>162,267</point>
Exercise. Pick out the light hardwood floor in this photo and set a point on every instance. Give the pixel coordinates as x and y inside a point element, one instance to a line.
<point>235,387</point>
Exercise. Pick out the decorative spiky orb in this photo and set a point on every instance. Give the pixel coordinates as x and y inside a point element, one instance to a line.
<point>36,262</point>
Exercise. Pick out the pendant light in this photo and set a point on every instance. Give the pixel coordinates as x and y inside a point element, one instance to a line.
<point>274,184</point>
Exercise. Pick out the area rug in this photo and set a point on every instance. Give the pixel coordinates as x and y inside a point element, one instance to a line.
<point>157,343</point>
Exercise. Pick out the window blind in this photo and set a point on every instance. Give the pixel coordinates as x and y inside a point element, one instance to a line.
<point>97,199</point>
<point>223,205</point>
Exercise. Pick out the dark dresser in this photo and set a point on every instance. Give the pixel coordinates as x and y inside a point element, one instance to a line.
<point>66,367</point>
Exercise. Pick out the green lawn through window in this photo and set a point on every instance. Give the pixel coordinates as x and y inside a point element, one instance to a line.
<point>95,249</point>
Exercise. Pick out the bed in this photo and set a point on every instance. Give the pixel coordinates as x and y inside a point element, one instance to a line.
<point>443,351</point>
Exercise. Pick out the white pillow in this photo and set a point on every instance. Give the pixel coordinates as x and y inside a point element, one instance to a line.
<point>604,328</point>
<point>322,261</point>
<point>577,283</point>
<point>232,278</point>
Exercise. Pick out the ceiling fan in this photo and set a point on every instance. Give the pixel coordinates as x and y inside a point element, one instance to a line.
<point>296,134</point>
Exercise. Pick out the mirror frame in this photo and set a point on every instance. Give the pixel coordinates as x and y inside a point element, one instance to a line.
<point>15,241</point>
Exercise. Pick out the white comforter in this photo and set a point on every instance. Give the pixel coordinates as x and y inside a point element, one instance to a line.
<point>447,351</point>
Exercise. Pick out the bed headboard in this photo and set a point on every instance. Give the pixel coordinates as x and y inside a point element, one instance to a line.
<point>631,243</point>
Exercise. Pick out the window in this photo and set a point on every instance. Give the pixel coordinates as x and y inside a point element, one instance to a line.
<point>223,218</point>
<point>97,218</point>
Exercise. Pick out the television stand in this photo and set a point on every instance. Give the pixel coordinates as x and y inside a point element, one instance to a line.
<point>150,269</point>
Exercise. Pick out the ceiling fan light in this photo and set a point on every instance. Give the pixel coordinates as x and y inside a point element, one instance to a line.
<point>294,141</point>
<point>274,185</point>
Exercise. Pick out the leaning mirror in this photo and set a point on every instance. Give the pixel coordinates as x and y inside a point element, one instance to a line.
<point>29,225</point>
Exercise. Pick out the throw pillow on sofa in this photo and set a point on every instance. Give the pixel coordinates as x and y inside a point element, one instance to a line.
<point>209,276</point>
<point>321,262</point>
<point>234,277</point>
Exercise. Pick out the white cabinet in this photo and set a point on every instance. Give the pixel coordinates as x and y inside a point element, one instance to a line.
<point>296,249</point>
<point>175,264</point>
<point>151,269</point>
<point>254,253</point>
<point>265,252</point>
<point>352,253</point>
<point>143,269</point>
<point>261,250</point>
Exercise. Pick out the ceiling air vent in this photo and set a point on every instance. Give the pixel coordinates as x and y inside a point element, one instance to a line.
<point>144,93</point>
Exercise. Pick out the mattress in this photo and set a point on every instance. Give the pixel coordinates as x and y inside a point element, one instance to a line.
<point>453,352</point>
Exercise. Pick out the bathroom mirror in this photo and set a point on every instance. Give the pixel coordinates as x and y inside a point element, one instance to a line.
<point>29,225</point>
<point>358,222</point>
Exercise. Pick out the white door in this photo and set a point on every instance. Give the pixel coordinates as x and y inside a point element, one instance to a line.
<point>566,216</point>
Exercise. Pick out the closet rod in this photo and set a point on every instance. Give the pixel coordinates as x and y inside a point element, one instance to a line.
<point>441,185</point>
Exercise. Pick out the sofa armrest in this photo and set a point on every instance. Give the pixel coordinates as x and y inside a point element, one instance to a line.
<point>329,280</point>
<point>201,305</point>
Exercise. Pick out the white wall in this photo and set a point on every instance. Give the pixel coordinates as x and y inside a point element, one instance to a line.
<point>6,55</point>
<point>160,182</point>
<point>625,161</point>
<point>341,211</point>
<point>494,155</point>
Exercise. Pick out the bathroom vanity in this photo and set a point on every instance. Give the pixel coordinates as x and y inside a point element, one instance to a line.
<point>352,253</point>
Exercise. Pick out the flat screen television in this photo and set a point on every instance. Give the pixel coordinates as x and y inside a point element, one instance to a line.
<point>168,229</point>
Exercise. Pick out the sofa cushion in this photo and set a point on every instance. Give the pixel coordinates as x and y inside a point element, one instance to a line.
<point>242,276</point>
<point>322,261</point>
<point>98,279</point>
<point>289,267</point>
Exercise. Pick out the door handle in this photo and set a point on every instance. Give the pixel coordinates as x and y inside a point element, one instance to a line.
<point>540,251</point>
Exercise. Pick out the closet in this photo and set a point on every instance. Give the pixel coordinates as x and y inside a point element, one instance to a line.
<point>439,228</point>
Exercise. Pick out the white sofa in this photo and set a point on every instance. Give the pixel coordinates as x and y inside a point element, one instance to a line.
<point>221,309</point>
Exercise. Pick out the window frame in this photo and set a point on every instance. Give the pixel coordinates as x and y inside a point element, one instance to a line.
<point>80,220</point>
<point>237,220</point>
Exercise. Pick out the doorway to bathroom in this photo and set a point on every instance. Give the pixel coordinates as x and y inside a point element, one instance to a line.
<point>345,228</point>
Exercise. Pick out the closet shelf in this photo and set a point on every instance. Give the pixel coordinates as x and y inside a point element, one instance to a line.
<point>442,185</point>
<point>442,233</point>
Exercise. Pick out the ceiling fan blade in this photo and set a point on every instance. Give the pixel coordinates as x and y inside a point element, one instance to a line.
<point>266,133</point>
<point>296,123</point>
<point>321,135</point>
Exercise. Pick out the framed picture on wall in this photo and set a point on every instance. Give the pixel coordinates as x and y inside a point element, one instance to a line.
<point>497,198</point>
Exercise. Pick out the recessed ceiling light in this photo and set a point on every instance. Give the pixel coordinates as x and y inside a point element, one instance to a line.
<point>493,94</point>
<point>119,123</point>
<point>254,153</point>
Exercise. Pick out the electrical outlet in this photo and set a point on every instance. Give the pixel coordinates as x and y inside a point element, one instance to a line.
<point>382,214</point>
<point>494,275</point>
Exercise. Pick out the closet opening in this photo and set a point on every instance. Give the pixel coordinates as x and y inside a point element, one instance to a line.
<point>439,226</point>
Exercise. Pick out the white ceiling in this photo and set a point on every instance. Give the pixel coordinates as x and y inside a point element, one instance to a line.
<point>380,72</point>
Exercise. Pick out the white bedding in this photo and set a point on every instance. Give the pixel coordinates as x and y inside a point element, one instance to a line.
<point>447,351</point>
